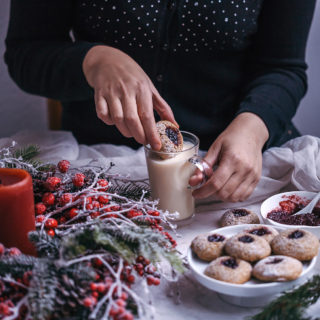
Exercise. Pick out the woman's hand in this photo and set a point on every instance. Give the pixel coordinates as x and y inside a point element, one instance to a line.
<point>124,94</point>
<point>237,153</point>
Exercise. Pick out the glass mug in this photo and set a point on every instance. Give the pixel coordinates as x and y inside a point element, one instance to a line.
<point>169,174</point>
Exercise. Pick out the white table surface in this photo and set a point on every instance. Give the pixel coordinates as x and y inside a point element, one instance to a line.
<point>297,163</point>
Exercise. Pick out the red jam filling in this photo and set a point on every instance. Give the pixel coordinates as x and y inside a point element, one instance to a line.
<point>240,212</point>
<point>246,239</point>
<point>216,238</point>
<point>173,135</point>
<point>260,231</point>
<point>274,261</point>
<point>230,263</point>
<point>296,234</point>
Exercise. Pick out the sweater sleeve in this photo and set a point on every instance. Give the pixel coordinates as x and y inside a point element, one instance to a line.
<point>41,56</point>
<point>278,64</point>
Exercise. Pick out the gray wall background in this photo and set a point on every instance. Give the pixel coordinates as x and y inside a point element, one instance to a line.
<point>19,111</point>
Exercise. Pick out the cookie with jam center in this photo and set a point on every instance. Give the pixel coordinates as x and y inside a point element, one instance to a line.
<point>277,268</point>
<point>248,247</point>
<point>297,243</point>
<point>238,216</point>
<point>208,246</point>
<point>229,269</point>
<point>170,137</point>
<point>265,232</point>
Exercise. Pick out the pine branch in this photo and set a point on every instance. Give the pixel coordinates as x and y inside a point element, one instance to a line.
<point>127,241</point>
<point>27,153</point>
<point>46,245</point>
<point>16,266</point>
<point>42,290</point>
<point>79,273</point>
<point>94,239</point>
<point>293,304</point>
<point>152,245</point>
<point>23,158</point>
<point>111,243</point>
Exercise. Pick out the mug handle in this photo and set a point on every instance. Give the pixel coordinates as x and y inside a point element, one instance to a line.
<point>205,169</point>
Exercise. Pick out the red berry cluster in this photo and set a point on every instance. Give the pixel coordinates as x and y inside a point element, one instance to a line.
<point>55,194</point>
<point>105,282</point>
<point>144,268</point>
<point>10,292</point>
<point>96,206</point>
<point>154,224</point>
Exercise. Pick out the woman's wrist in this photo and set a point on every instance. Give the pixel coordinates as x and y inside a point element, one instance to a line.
<point>93,59</point>
<point>253,125</point>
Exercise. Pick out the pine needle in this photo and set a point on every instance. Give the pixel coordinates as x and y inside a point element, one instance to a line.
<point>27,153</point>
<point>293,304</point>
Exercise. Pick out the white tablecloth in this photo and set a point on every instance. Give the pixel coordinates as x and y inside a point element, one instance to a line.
<point>294,166</point>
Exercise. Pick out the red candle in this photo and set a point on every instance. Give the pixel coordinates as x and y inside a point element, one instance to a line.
<point>16,209</point>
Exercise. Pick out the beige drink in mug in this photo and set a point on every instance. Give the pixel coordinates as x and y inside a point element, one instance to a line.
<point>169,174</point>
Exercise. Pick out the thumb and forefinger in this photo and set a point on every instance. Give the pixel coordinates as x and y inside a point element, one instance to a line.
<point>211,159</point>
<point>165,113</point>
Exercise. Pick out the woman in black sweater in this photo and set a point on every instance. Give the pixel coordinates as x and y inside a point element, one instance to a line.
<point>230,71</point>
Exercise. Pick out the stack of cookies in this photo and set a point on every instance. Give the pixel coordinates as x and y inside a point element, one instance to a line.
<point>259,251</point>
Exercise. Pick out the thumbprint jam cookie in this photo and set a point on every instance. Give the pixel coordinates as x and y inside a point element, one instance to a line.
<point>208,246</point>
<point>296,243</point>
<point>229,269</point>
<point>265,232</point>
<point>170,137</point>
<point>238,216</point>
<point>248,247</point>
<point>277,268</point>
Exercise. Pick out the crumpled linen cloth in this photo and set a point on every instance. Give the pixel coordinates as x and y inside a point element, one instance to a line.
<point>295,165</point>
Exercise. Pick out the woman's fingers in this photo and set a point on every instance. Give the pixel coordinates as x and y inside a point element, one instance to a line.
<point>162,108</point>
<point>249,191</point>
<point>240,189</point>
<point>145,111</point>
<point>132,112</point>
<point>233,183</point>
<point>196,178</point>
<point>116,112</point>
<point>218,179</point>
<point>244,191</point>
<point>132,120</point>
<point>234,178</point>
<point>102,109</point>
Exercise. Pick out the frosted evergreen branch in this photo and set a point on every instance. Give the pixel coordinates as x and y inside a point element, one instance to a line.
<point>292,304</point>
<point>9,279</point>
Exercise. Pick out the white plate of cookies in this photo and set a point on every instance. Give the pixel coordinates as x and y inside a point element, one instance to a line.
<point>252,261</point>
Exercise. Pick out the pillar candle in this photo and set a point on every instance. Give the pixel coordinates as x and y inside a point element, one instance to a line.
<point>16,209</point>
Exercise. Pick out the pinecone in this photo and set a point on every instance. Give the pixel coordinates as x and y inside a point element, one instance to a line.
<point>69,299</point>
<point>2,288</point>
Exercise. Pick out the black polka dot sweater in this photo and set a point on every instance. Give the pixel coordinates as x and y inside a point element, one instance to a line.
<point>210,59</point>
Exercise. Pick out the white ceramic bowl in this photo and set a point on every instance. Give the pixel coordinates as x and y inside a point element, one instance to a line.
<point>273,203</point>
<point>252,293</point>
